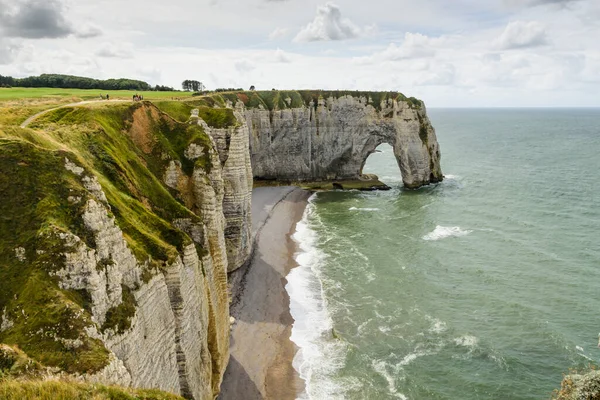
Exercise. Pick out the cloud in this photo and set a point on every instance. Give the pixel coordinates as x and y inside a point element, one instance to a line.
<point>533,3</point>
<point>88,31</point>
<point>329,25</point>
<point>8,51</point>
<point>414,46</point>
<point>522,34</point>
<point>441,75</point>
<point>34,19</point>
<point>111,50</point>
<point>278,33</point>
<point>282,57</point>
<point>244,66</point>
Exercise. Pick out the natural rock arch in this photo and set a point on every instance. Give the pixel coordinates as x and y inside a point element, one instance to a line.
<point>332,140</point>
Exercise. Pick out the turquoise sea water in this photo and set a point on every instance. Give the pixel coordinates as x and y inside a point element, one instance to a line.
<point>486,286</point>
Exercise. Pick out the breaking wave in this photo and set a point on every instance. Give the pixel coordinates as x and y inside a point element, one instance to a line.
<point>442,232</point>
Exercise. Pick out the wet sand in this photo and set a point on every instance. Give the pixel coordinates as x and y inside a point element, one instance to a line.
<point>260,366</point>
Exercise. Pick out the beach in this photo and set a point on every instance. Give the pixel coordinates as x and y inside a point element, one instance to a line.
<point>260,366</point>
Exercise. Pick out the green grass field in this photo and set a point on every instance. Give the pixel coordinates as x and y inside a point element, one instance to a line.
<point>83,94</point>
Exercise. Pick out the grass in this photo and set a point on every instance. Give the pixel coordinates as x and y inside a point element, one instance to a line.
<point>83,94</point>
<point>281,100</point>
<point>11,389</point>
<point>33,211</point>
<point>214,117</point>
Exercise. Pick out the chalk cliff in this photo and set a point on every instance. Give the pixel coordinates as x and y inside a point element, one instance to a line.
<point>232,144</point>
<point>115,270</point>
<point>329,135</point>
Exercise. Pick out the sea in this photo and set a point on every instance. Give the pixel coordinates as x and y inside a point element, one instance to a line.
<point>484,286</point>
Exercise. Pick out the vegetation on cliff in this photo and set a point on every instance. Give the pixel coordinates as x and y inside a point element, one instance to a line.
<point>126,148</point>
<point>286,99</point>
<point>53,389</point>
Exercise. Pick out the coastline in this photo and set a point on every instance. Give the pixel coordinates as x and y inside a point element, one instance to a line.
<point>262,353</point>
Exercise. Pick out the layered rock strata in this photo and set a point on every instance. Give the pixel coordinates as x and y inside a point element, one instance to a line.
<point>232,144</point>
<point>331,138</point>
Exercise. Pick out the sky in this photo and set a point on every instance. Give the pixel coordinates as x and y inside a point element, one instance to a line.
<point>450,53</point>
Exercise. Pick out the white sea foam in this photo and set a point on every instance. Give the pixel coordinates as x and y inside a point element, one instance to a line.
<point>467,341</point>
<point>438,326</point>
<point>381,367</point>
<point>362,209</point>
<point>319,354</point>
<point>442,232</point>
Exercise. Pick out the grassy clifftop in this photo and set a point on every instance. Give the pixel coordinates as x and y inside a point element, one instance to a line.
<point>285,99</point>
<point>127,148</point>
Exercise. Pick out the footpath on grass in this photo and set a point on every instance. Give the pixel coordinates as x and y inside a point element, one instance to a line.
<point>81,103</point>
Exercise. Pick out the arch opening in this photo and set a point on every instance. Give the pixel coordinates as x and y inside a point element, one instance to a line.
<point>382,163</point>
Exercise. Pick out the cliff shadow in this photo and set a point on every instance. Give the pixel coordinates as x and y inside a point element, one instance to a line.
<point>237,384</point>
<point>261,296</point>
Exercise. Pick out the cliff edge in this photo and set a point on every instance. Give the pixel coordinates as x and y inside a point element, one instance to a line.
<point>113,264</point>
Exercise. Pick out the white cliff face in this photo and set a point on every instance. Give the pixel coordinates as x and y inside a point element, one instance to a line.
<point>234,155</point>
<point>332,140</point>
<point>178,336</point>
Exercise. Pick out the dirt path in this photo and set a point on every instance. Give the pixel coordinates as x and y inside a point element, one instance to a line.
<point>35,116</point>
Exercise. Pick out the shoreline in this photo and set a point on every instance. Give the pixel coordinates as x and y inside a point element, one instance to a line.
<point>262,352</point>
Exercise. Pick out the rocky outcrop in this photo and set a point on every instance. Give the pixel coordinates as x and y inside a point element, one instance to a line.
<point>331,137</point>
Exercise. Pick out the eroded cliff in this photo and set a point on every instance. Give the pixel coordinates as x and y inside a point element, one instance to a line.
<point>300,136</point>
<point>113,260</point>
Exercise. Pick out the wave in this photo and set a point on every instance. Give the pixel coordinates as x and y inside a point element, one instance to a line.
<point>442,232</point>
<point>363,209</point>
<point>467,341</point>
<point>381,367</point>
<point>320,352</point>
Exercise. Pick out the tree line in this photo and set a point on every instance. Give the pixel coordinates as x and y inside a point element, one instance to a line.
<point>78,82</point>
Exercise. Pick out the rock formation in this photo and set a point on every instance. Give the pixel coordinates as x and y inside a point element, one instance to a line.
<point>111,275</point>
<point>331,137</point>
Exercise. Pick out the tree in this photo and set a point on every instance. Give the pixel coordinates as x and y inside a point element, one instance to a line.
<point>252,87</point>
<point>192,85</point>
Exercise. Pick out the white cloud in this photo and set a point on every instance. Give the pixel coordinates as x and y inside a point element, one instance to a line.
<point>442,75</point>
<point>278,33</point>
<point>244,66</point>
<point>88,31</point>
<point>532,3</point>
<point>414,46</point>
<point>522,34</point>
<point>329,25</point>
<point>113,50</point>
<point>9,50</point>
<point>282,57</point>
